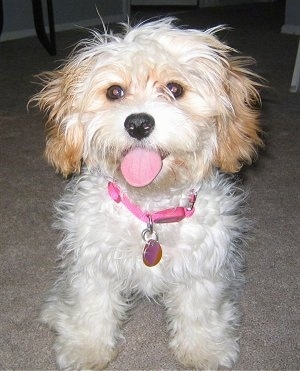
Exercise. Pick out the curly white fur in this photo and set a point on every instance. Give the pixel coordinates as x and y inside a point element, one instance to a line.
<point>212,125</point>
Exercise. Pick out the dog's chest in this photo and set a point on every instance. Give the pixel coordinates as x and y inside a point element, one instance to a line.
<point>110,238</point>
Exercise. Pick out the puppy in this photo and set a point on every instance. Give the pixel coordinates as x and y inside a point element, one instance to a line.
<point>150,121</point>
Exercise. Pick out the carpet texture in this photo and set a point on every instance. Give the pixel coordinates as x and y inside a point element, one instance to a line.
<point>28,186</point>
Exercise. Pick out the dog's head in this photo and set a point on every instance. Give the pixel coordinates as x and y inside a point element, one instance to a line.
<point>157,104</point>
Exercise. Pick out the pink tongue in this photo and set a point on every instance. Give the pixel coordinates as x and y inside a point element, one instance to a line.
<point>140,167</point>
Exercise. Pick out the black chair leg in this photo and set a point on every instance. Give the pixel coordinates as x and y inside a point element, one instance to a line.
<point>47,42</point>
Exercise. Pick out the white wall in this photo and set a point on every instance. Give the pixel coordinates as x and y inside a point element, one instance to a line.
<point>18,17</point>
<point>292,17</point>
<point>164,2</point>
<point>202,3</point>
<point>292,12</point>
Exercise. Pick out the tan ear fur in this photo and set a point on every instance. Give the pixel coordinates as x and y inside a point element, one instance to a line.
<point>64,143</point>
<point>64,149</point>
<point>239,132</point>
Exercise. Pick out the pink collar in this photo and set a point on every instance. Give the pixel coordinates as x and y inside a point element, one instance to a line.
<point>164,216</point>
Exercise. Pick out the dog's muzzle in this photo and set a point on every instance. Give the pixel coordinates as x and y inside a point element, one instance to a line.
<point>139,125</point>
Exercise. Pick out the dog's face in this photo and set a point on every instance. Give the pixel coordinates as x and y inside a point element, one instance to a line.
<point>158,105</point>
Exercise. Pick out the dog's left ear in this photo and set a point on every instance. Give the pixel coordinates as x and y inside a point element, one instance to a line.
<point>64,141</point>
<point>238,131</point>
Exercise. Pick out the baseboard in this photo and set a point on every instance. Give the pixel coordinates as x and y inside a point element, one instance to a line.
<point>13,35</point>
<point>290,29</point>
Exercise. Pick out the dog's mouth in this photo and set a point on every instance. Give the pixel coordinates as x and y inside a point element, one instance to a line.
<point>140,166</point>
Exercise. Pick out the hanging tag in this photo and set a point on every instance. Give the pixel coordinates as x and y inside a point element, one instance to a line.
<point>152,253</point>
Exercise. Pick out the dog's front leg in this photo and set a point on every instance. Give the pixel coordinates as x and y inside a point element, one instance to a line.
<point>202,321</point>
<point>86,311</point>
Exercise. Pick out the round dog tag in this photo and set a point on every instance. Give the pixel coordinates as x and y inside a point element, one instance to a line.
<point>152,253</point>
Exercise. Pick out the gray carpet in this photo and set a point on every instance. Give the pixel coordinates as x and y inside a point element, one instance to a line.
<point>270,330</point>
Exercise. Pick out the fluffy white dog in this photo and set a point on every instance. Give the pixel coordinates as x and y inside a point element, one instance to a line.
<point>151,120</point>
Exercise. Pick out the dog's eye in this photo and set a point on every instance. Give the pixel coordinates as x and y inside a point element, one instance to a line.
<point>115,92</point>
<point>175,89</point>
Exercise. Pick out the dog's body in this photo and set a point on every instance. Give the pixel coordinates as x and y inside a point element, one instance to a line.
<point>155,116</point>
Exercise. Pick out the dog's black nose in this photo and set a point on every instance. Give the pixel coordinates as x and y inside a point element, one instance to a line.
<point>139,125</point>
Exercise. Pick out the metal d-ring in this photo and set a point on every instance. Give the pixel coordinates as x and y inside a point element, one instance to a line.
<point>148,233</point>
<point>147,236</point>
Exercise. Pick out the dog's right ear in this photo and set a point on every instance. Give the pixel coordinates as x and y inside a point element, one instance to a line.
<point>64,141</point>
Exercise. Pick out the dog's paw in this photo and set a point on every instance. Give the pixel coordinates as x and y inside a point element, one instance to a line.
<point>83,355</point>
<point>205,355</point>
